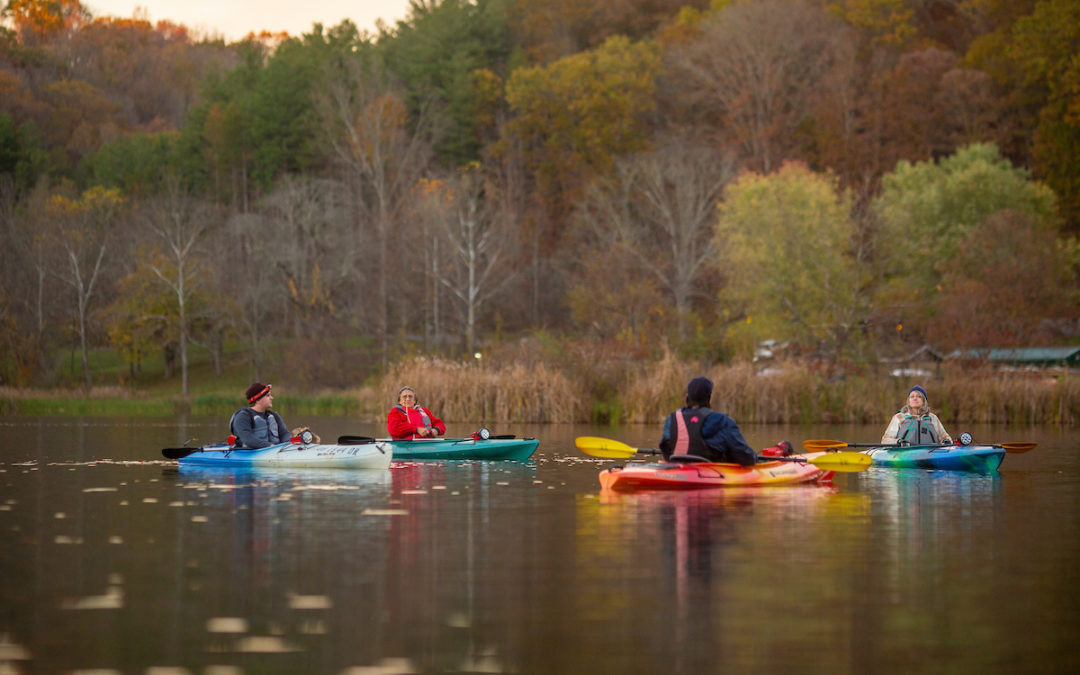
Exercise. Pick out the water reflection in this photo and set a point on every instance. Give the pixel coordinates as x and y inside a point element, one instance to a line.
<point>111,558</point>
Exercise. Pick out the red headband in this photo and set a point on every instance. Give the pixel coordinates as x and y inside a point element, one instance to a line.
<point>256,397</point>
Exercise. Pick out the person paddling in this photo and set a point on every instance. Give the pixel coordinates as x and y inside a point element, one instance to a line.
<point>257,426</point>
<point>697,430</point>
<point>408,420</point>
<point>915,424</point>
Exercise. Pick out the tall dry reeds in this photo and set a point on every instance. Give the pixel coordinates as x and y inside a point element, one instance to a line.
<point>784,392</point>
<point>512,392</point>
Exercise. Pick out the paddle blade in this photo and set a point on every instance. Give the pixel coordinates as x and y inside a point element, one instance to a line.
<point>604,447</point>
<point>822,445</point>
<point>177,453</point>
<point>1018,447</point>
<point>842,462</point>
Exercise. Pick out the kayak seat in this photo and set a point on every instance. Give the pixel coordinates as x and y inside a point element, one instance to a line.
<point>685,459</point>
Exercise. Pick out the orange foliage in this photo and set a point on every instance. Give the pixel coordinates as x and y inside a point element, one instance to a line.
<point>44,17</point>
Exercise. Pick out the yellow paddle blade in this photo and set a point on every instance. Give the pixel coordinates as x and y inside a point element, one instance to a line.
<point>822,445</point>
<point>843,462</point>
<point>604,447</point>
<point>1018,447</point>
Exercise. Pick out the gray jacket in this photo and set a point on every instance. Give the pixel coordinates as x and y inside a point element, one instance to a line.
<point>258,430</point>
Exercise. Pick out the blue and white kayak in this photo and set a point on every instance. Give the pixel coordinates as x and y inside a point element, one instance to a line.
<point>983,458</point>
<point>292,454</point>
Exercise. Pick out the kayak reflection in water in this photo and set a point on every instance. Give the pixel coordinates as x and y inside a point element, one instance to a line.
<point>915,424</point>
<point>697,430</point>
<point>257,426</point>
<point>408,420</point>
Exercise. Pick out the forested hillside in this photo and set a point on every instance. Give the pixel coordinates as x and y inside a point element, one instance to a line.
<point>626,177</point>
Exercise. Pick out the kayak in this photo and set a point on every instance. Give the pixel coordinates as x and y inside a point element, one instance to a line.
<point>299,455</point>
<point>460,448</point>
<point>668,476</point>
<point>984,458</point>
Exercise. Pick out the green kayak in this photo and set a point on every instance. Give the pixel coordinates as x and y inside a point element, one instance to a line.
<point>496,447</point>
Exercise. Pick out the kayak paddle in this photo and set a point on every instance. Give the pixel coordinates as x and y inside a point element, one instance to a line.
<point>177,453</point>
<point>354,440</point>
<point>819,445</point>
<point>611,449</point>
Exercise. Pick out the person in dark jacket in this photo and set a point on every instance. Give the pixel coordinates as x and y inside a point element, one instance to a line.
<point>697,430</point>
<point>257,426</point>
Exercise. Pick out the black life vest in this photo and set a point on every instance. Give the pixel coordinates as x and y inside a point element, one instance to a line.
<point>686,432</point>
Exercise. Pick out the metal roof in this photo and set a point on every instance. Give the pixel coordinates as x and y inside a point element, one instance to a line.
<point>1029,355</point>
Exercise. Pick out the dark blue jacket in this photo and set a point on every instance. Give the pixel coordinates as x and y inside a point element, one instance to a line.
<point>722,438</point>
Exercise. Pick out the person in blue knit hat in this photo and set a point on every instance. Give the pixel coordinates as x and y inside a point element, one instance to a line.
<point>915,424</point>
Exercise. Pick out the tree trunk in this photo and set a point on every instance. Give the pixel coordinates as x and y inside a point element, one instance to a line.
<point>183,346</point>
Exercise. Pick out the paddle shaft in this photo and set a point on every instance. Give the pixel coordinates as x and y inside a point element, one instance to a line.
<point>760,458</point>
<point>819,445</point>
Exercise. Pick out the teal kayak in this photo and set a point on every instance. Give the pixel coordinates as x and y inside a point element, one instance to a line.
<point>460,448</point>
<point>983,458</point>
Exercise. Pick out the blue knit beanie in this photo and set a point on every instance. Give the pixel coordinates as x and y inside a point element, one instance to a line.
<point>921,391</point>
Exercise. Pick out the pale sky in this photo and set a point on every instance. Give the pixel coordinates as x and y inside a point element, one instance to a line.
<point>233,19</point>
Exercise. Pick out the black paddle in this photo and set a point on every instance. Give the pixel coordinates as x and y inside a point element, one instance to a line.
<point>354,440</point>
<point>177,453</point>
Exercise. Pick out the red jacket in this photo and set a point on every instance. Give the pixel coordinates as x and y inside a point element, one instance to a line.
<point>402,423</point>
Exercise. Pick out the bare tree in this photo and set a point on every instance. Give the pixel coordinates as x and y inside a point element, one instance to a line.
<point>180,221</point>
<point>661,207</point>
<point>479,248</point>
<point>251,275</point>
<point>384,153</point>
<point>756,66</point>
<point>81,230</point>
<point>312,248</point>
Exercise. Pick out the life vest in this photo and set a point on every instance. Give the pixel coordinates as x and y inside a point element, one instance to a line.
<point>425,418</point>
<point>260,426</point>
<point>917,431</point>
<point>687,432</point>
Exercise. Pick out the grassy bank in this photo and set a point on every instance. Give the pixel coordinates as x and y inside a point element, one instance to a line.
<point>520,391</point>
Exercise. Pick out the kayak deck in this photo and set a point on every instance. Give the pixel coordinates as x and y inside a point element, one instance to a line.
<point>980,458</point>
<point>461,448</point>
<point>298,455</point>
<point>665,476</point>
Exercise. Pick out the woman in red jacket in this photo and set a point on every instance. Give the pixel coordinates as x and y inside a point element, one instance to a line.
<point>408,420</point>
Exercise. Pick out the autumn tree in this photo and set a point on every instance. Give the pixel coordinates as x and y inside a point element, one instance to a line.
<point>753,73</point>
<point>659,208</point>
<point>785,240</point>
<point>928,212</point>
<point>572,119</point>
<point>1043,50</point>
<point>1012,284</point>
<point>932,105</point>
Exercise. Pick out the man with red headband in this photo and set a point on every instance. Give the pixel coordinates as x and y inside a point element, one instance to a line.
<point>257,426</point>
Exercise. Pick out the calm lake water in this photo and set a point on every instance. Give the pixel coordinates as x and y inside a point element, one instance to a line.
<point>112,558</point>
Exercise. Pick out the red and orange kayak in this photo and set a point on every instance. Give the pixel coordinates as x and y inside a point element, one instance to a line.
<point>666,476</point>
